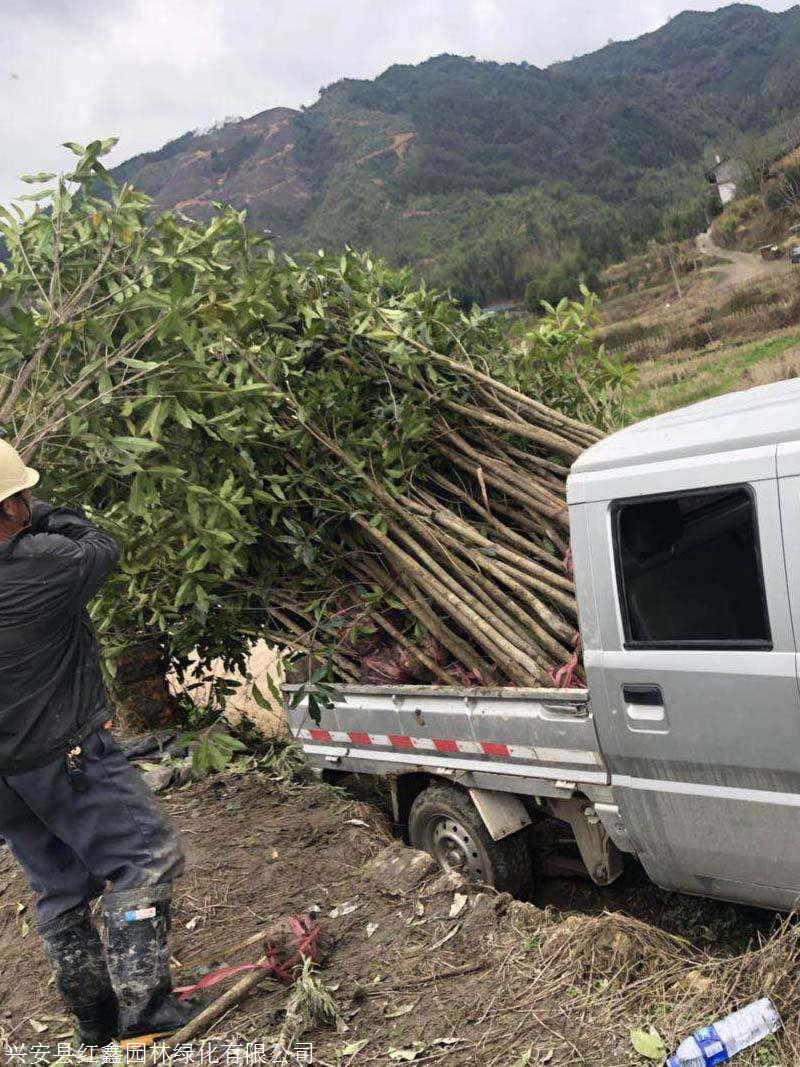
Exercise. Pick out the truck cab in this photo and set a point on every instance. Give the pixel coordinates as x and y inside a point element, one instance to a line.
<point>685,533</point>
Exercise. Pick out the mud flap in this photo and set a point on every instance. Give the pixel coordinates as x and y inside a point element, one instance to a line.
<point>602,858</point>
<point>502,813</point>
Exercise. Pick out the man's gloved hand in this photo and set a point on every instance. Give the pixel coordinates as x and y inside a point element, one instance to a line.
<point>40,511</point>
<point>45,518</point>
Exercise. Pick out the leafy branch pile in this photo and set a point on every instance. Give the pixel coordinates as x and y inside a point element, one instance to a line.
<point>317,453</point>
<point>425,501</point>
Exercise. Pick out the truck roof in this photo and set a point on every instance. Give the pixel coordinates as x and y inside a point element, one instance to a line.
<point>765,415</point>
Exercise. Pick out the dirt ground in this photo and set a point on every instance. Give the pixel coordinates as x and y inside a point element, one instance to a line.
<point>740,268</point>
<point>433,974</point>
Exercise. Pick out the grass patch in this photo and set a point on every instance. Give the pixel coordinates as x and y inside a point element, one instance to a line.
<point>711,374</point>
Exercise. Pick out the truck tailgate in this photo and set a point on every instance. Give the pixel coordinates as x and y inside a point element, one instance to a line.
<point>533,733</point>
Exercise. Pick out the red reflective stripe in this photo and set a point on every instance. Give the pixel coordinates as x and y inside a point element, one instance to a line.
<point>444,745</point>
<point>320,735</point>
<point>441,744</point>
<point>359,738</point>
<point>491,748</point>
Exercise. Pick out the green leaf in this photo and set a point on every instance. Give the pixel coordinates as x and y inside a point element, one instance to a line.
<point>209,755</point>
<point>275,692</point>
<point>230,744</point>
<point>141,364</point>
<point>181,415</point>
<point>136,444</point>
<point>314,710</point>
<point>648,1043</point>
<point>41,195</point>
<point>260,699</point>
<point>34,179</point>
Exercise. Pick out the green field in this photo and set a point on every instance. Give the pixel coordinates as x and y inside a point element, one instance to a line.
<point>666,384</point>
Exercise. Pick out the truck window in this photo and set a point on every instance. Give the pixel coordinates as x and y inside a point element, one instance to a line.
<point>689,571</point>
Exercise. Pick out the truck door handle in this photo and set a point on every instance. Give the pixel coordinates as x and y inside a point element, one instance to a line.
<point>649,696</point>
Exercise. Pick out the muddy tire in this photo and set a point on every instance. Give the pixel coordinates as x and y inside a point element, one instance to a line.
<point>445,823</point>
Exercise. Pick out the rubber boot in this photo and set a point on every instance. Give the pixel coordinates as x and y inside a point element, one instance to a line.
<point>137,929</point>
<point>73,949</point>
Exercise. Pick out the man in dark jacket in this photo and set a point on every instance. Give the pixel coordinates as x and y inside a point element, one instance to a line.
<point>77,816</point>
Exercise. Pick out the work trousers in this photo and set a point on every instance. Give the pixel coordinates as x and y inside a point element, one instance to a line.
<point>77,836</point>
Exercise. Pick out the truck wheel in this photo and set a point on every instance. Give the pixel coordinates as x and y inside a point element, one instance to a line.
<point>445,823</point>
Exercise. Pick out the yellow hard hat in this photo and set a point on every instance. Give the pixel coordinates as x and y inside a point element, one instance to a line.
<point>14,475</point>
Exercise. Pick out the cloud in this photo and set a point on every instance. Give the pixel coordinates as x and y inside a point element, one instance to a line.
<point>148,70</point>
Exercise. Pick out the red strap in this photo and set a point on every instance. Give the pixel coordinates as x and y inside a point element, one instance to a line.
<point>568,675</point>
<point>568,567</point>
<point>213,977</point>
<point>305,938</point>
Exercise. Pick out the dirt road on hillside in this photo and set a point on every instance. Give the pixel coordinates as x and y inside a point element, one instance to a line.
<point>741,268</point>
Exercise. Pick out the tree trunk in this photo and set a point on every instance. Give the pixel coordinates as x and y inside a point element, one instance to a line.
<point>141,690</point>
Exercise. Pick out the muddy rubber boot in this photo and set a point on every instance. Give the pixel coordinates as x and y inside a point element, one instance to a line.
<point>137,929</point>
<point>73,949</point>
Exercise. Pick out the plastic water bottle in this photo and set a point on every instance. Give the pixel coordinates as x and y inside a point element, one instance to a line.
<point>718,1043</point>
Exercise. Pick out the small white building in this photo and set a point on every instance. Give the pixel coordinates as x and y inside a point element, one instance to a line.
<point>727,175</point>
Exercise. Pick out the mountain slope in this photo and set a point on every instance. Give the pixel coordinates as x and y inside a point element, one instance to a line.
<point>481,174</point>
<point>249,163</point>
<point>728,53</point>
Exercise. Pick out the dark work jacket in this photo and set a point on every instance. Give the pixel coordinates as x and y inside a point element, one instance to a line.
<point>52,694</point>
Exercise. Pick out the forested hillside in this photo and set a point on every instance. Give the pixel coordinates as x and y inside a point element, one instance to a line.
<point>487,176</point>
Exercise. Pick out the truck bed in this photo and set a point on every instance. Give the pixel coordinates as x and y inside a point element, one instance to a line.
<point>502,738</point>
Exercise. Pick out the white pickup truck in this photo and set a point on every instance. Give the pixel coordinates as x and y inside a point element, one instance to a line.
<point>685,748</point>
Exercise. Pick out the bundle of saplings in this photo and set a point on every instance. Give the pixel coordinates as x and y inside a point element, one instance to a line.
<point>421,532</point>
<point>324,453</point>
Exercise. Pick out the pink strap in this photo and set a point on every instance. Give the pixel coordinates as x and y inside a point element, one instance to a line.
<point>305,936</point>
<point>569,674</point>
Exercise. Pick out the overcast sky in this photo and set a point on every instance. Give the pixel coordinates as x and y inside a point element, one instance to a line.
<point>148,70</point>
